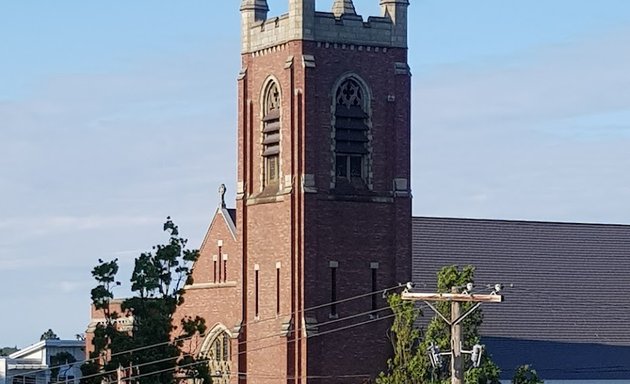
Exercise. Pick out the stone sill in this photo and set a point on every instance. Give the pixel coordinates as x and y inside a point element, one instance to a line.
<point>262,199</point>
<point>228,284</point>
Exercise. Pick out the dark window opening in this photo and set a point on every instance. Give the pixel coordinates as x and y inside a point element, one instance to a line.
<point>351,134</point>
<point>333,291</point>
<point>218,356</point>
<point>271,135</point>
<point>226,347</point>
<point>219,272</point>
<point>277,291</point>
<point>219,261</point>
<point>220,348</point>
<point>24,380</point>
<point>272,163</point>
<point>374,288</point>
<point>256,292</point>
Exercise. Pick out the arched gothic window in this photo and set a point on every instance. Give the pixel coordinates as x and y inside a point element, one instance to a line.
<point>271,135</point>
<point>218,352</point>
<point>351,134</point>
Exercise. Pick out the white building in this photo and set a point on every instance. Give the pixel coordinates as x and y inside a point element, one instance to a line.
<point>33,365</point>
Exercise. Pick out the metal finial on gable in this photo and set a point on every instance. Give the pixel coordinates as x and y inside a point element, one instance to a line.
<point>342,7</point>
<point>222,190</point>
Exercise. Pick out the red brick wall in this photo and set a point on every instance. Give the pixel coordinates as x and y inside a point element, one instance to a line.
<point>322,227</point>
<point>267,235</point>
<point>355,231</point>
<point>304,232</point>
<point>391,153</point>
<point>97,315</point>
<point>217,303</point>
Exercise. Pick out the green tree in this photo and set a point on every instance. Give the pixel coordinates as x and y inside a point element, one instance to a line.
<point>57,361</point>
<point>438,332</point>
<point>49,335</point>
<point>408,365</point>
<point>6,351</point>
<point>525,374</point>
<point>157,285</point>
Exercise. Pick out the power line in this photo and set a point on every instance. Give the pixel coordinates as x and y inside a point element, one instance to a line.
<point>299,337</point>
<point>328,304</point>
<point>560,308</point>
<point>256,322</point>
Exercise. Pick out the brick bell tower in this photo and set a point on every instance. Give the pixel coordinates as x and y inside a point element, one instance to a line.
<point>323,199</point>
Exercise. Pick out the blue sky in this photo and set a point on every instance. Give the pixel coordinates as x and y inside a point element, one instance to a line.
<point>115,114</point>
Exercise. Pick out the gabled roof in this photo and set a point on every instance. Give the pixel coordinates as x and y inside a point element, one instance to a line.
<point>229,217</point>
<point>571,282</point>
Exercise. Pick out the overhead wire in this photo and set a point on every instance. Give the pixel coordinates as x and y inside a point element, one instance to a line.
<point>155,345</point>
<point>608,369</point>
<point>561,307</point>
<point>297,338</point>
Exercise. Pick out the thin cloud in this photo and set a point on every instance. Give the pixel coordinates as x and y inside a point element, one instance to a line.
<point>60,224</point>
<point>71,286</point>
<point>566,81</point>
<point>545,140</point>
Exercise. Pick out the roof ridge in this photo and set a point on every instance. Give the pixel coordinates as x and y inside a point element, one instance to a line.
<point>524,221</point>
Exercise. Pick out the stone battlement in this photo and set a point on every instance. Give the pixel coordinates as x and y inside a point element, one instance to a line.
<point>342,26</point>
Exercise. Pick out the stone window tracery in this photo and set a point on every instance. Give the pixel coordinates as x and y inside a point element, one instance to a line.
<point>271,135</point>
<point>218,353</point>
<point>351,134</point>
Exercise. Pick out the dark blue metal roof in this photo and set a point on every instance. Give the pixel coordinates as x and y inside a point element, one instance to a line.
<point>567,296</point>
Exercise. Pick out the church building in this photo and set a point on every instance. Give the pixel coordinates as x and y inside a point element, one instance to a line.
<point>290,282</point>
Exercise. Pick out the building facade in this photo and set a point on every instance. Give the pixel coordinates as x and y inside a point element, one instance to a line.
<point>32,365</point>
<point>286,280</point>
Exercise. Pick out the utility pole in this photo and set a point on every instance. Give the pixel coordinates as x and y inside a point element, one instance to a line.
<point>457,363</point>
<point>455,322</point>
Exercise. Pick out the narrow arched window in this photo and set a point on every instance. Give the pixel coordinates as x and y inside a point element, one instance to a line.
<point>351,134</point>
<point>216,349</point>
<point>221,347</point>
<point>271,135</point>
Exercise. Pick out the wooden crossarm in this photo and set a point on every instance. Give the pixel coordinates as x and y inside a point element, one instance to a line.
<point>457,297</point>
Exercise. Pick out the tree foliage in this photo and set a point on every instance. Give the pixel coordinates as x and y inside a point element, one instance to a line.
<point>410,363</point>
<point>525,374</point>
<point>57,361</point>
<point>49,335</point>
<point>157,284</point>
<point>6,351</point>
<point>438,332</point>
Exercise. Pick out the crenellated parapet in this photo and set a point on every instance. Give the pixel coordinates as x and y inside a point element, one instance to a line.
<point>341,26</point>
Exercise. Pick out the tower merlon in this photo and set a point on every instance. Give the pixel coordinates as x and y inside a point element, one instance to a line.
<point>396,12</point>
<point>256,10</point>
<point>343,7</point>
<point>342,26</point>
<point>252,12</point>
